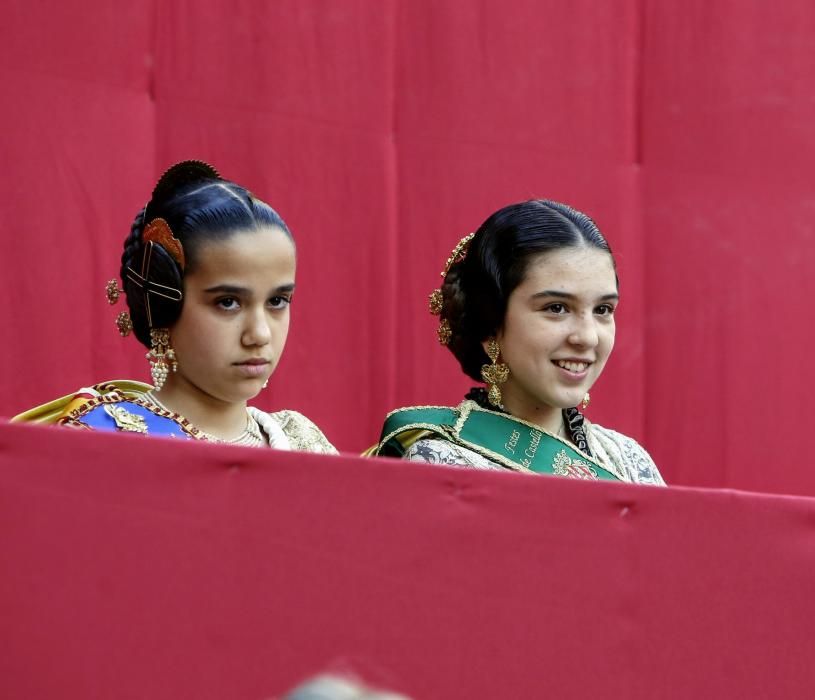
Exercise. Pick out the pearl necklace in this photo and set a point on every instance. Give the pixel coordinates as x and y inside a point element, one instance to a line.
<point>252,436</point>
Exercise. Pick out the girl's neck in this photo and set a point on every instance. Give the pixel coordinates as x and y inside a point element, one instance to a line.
<point>222,419</point>
<point>549,418</point>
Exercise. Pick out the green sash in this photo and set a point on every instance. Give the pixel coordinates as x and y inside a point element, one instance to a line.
<point>499,437</point>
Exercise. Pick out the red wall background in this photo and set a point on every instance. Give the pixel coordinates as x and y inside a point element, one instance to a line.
<point>383,132</point>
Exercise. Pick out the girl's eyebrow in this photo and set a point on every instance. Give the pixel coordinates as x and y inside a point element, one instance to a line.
<point>568,295</point>
<point>243,291</point>
<point>227,289</point>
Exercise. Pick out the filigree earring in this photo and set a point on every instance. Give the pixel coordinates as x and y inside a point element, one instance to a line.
<point>585,402</point>
<point>161,357</point>
<point>494,374</point>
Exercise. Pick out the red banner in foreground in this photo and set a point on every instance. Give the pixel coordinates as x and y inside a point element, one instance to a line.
<point>135,568</point>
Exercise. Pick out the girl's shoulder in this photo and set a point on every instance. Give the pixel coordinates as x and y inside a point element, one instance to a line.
<point>623,452</point>
<point>83,401</point>
<point>292,430</point>
<point>440,451</point>
<point>116,405</point>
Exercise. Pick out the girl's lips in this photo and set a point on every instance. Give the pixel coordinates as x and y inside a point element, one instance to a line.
<point>253,368</point>
<point>572,376</point>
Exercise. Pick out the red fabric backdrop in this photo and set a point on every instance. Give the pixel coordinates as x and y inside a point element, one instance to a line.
<point>207,572</point>
<point>383,132</point>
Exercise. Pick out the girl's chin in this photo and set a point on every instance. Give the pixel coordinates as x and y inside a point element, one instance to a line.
<point>247,394</point>
<point>542,404</point>
<point>563,402</point>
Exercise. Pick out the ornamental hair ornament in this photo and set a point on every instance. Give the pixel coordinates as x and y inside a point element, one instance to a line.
<point>437,297</point>
<point>182,173</point>
<point>123,321</point>
<point>161,235</point>
<point>458,254</point>
<point>112,291</point>
<point>159,231</point>
<point>444,332</point>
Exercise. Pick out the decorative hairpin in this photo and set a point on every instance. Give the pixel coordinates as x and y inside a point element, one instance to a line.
<point>185,172</point>
<point>437,298</point>
<point>112,291</point>
<point>123,321</point>
<point>159,231</point>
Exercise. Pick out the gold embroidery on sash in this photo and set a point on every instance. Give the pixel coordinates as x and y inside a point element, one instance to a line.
<point>563,465</point>
<point>125,420</point>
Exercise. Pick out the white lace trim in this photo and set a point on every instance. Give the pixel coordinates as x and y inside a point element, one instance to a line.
<point>277,438</point>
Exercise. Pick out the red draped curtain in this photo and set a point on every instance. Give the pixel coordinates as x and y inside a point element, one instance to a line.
<point>385,130</point>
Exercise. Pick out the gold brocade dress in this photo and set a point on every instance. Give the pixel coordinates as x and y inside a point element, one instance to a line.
<point>127,406</point>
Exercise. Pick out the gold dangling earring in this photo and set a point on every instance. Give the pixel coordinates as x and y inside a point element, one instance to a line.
<point>585,402</point>
<point>161,357</point>
<point>494,374</point>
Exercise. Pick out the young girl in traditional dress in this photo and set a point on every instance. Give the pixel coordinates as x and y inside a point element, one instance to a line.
<point>208,272</point>
<point>527,306</point>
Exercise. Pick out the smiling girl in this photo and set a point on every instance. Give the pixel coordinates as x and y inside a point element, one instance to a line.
<point>208,272</point>
<point>527,306</point>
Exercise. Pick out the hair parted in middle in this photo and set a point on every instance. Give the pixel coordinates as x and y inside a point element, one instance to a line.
<point>478,285</point>
<point>191,206</point>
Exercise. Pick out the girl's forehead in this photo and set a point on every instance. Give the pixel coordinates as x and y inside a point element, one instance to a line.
<point>266,241</point>
<point>575,265</point>
<point>266,251</point>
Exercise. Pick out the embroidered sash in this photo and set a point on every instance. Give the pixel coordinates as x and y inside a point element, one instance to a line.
<point>113,405</point>
<point>499,437</point>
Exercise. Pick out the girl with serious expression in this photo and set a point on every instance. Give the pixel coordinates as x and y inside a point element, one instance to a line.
<point>207,272</point>
<point>232,328</point>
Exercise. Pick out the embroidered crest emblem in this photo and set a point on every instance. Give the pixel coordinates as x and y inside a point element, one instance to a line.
<point>563,465</point>
<point>125,420</point>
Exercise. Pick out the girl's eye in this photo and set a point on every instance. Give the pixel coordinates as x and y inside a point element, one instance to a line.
<point>556,308</point>
<point>604,310</point>
<point>279,302</point>
<point>228,303</point>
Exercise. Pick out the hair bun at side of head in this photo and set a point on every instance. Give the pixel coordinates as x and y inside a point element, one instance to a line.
<point>183,173</point>
<point>161,269</point>
<point>463,335</point>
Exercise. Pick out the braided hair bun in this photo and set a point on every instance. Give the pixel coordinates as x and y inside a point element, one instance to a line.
<point>144,264</point>
<point>183,173</point>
